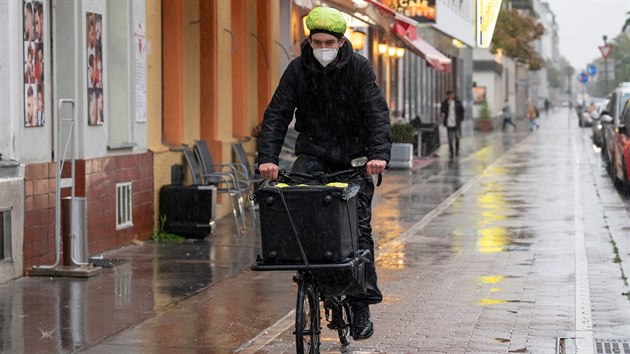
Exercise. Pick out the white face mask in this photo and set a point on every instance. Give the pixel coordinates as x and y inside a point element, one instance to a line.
<point>325,55</point>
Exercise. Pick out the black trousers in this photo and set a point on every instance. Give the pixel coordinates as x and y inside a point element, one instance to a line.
<point>310,164</point>
<point>453,140</point>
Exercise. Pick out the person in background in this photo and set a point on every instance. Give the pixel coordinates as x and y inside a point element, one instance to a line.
<point>452,112</point>
<point>340,114</point>
<point>547,106</point>
<point>506,112</point>
<point>532,115</point>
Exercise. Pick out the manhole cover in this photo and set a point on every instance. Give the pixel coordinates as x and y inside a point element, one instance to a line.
<point>107,262</point>
<point>612,346</point>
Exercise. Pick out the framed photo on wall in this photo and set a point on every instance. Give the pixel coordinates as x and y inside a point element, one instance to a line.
<point>479,94</point>
<point>94,59</point>
<point>33,40</point>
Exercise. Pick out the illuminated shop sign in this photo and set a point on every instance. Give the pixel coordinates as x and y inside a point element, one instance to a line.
<point>419,10</point>
<point>487,13</point>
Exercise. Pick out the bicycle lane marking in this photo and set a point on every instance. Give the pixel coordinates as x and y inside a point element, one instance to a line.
<point>583,319</point>
<point>263,338</point>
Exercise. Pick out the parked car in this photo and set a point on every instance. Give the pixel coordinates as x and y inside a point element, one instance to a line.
<point>585,116</point>
<point>620,144</point>
<point>610,119</point>
<point>596,127</point>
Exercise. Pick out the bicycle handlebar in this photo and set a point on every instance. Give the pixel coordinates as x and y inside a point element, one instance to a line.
<point>321,177</point>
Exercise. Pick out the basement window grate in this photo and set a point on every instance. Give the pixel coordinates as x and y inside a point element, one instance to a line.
<point>123,205</point>
<point>5,233</point>
<point>612,346</point>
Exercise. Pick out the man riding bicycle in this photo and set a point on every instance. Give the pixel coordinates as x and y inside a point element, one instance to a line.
<point>340,114</point>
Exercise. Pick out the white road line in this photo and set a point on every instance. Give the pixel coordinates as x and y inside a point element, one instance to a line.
<point>583,320</point>
<point>269,334</point>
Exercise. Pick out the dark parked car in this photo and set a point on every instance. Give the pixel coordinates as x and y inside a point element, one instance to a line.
<point>597,126</point>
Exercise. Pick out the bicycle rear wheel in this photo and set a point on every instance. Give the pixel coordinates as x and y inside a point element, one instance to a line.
<point>307,319</point>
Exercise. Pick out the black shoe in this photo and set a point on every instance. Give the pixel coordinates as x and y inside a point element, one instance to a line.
<point>362,327</point>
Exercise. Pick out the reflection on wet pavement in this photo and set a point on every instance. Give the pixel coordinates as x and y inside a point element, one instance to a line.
<point>63,315</point>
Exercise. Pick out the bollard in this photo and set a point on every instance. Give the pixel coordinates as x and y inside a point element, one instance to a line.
<point>74,231</point>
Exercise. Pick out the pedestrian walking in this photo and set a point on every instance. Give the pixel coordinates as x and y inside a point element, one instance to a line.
<point>506,111</point>
<point>532,115</point>
<point>547,106</point>
<point>341,114</point>
<point>452,112</point>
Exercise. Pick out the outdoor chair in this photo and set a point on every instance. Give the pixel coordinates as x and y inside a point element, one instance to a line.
<point>247,175</point>
<point>224,182</point>
<point>208,167</point>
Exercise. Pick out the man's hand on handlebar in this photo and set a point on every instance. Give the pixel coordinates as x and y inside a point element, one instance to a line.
<point>374,167</point>
<point>269,170</point>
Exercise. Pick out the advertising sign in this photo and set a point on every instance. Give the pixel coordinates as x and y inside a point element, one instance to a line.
<point>33,42</point>
<point>479,94</point>
<point>94,56</point>
<point>422,11</point>
<point>487,14</point>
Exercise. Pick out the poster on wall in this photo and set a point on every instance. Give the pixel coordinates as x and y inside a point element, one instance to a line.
<point>33,40</point>
<point>140,44</point>
<point>94,45</point>
<point>479,94</point>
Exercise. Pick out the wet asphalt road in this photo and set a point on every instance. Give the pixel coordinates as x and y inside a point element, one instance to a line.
<point>491,253</point>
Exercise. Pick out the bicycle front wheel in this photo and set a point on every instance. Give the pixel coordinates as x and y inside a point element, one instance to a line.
<point>307,319</point>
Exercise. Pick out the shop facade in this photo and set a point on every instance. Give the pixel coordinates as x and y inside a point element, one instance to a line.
<point>90,55</point>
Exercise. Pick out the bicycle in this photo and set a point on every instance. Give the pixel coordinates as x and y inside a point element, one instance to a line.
<point>333,275</point>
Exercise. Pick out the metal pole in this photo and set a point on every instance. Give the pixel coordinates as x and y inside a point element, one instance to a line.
<point>59,167</point>
<point>605,65</point>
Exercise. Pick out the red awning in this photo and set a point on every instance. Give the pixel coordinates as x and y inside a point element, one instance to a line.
<point>403,27</point>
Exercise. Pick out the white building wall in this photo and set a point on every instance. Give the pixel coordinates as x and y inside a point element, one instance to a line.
<point>456,19</point>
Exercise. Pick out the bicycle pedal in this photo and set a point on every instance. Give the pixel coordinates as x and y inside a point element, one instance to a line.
<point>336,325</point>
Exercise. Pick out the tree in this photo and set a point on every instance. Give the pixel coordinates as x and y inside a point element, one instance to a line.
<point>554,77</point>
<point>621,57</point>
<point>627,24</point>
<point>515,33</point>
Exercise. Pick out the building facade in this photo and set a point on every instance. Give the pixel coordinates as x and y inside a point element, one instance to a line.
<point>134,81</point>
<point>83,54</point>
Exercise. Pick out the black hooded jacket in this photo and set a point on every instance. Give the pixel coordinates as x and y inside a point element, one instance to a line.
<point>340,112</point>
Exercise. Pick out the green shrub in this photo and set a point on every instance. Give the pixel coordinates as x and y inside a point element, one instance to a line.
<point>402,133</point>
<point>484,111</point>
<point>163,236</point>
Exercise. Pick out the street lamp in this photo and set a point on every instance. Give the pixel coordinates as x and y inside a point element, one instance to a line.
<point>605,38</point>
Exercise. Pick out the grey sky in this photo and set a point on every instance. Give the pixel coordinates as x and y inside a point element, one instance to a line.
<point>582,23</point>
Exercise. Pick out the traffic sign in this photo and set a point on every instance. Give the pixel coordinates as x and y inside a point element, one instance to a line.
<point>592,69</point>
<point>583,77</point>
<point>606,49</point>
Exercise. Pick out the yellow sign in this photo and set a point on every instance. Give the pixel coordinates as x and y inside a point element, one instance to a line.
<point>487,13</point>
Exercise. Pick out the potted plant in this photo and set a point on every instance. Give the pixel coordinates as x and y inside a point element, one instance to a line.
<point>485,117</point>
<point>402,147</point>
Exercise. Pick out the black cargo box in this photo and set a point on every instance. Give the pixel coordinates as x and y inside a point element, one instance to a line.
<point>325,219</point>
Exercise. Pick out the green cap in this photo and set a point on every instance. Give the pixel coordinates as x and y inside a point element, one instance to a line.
<point>326,19</point>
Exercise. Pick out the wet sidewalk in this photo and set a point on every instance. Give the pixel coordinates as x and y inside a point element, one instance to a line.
<point>463,252</point>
